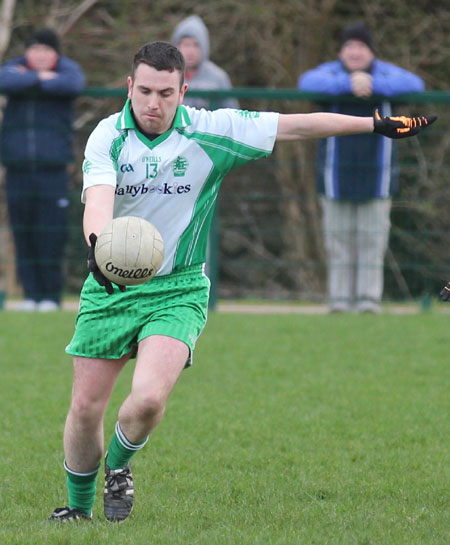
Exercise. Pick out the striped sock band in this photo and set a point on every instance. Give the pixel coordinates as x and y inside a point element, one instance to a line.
<point>81,488</point>
<point>121,450</point>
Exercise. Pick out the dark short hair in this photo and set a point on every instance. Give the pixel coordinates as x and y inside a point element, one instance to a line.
<point>161,56</point>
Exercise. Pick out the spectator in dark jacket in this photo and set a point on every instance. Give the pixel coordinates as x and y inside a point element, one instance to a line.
<point>357,175</point>
<point>35,148</point>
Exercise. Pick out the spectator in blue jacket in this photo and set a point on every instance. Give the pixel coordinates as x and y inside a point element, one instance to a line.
<point>35,148</point>
<point>357,175</point>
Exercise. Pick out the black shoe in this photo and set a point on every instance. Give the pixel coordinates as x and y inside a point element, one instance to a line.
<point>66,514</point>
<point>119,493</point>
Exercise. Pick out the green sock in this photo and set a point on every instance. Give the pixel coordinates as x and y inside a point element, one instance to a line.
<point>120,450</point>
<point>82,488</point>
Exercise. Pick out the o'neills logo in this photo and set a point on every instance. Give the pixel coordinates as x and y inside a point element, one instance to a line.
<point>128,273</point>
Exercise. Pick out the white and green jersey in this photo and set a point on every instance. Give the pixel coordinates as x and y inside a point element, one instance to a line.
<point>173,180</point>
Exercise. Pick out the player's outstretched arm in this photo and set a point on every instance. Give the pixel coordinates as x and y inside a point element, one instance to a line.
<point>324,124</point>
<point>320,125</point>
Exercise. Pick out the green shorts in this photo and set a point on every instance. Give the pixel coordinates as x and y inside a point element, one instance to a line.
<point>110,326</point>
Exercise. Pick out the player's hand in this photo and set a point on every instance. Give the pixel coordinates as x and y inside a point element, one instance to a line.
<point>400,126</point>
<point>96,272</point>
<point>445,292</point>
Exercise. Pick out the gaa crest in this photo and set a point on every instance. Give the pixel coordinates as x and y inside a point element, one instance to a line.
<point>180,166</point>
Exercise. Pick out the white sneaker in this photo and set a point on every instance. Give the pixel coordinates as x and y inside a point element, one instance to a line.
<point>369,307</point>
<point>47,305</point>
<point>339,307</point>
<point>27,305</point>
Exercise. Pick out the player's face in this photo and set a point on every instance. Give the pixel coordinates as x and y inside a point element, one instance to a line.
<point>155,96</point>
<point>356,55</point>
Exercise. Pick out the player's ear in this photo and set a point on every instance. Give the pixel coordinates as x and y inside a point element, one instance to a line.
<point>183,90</point>
<point>130,86</point>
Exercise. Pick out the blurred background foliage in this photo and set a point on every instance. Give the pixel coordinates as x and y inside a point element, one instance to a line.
<point>259,43</point>
<point>269,222</point>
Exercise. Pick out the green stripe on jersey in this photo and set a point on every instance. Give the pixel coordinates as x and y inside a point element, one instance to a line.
<point>192,244</point>
<point>116,147</point>
<point>225,152</point>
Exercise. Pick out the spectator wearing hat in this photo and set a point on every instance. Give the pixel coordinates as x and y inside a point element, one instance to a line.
<point>357,175</point>
<point>35,148</point>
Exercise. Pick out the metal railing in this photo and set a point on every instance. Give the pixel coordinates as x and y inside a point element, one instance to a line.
<point>239,211</point>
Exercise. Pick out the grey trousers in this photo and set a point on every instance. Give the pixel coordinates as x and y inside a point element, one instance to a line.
<point>356,238</point>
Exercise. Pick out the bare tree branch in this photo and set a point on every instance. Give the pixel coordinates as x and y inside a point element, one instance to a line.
<point>6,17</point>
<point>76,14</point>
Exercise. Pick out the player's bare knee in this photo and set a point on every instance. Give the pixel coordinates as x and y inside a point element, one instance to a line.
<point>149,405</point>
<point>86,409</point>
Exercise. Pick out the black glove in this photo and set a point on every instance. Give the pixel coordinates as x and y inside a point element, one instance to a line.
<point>401,126</point>
<point>97,273</point>
<point>445,292</point>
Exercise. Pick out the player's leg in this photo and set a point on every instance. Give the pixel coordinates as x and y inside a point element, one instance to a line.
<point>372,241</point>
<point>170,327</point>
<point>160,362</point>
<point>93,383</point>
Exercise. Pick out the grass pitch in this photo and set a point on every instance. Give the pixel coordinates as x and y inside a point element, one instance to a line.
<point>290,429</point>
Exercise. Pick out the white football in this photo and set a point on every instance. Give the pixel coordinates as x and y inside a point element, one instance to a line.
<point>129,251</point>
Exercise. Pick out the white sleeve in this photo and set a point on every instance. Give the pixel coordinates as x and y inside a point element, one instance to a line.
<point>98,165</point>
<point>255,129</point>
<point>235,136</point>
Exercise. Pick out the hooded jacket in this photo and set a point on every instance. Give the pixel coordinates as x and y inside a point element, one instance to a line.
<point>209,76</point>
<point>36,131</point>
